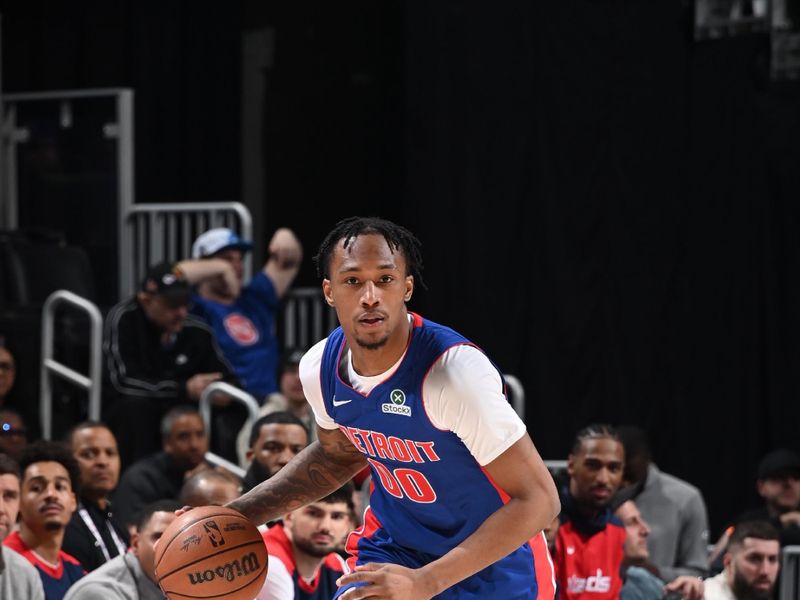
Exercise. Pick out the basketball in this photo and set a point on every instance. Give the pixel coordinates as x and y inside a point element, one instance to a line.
<point>211,552</point>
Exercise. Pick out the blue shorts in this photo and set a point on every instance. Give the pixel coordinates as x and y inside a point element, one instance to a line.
<point>511,578</point>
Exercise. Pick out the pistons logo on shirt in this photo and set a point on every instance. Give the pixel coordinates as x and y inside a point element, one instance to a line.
<point>241,329</point>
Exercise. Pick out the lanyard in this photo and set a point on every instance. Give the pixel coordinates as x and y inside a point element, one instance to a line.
<point>98,540</point>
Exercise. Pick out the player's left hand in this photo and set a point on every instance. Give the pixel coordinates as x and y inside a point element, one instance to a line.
<point>385,581</point>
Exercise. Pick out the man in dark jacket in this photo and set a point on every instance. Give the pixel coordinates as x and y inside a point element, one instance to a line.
<point>94,535</point>
<point>161,475</point>
<point>157,357</point>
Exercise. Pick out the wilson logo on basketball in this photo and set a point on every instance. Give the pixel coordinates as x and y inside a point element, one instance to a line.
<point>230,570</point>
<point>241,329</point>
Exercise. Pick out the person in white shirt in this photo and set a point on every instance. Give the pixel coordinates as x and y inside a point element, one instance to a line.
<point>751,564</point>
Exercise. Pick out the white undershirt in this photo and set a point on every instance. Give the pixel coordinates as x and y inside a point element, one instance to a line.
<point>463,393</point>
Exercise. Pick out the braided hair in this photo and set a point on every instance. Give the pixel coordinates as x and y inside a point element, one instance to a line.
<point>397,237</point>
<point>593,432</point>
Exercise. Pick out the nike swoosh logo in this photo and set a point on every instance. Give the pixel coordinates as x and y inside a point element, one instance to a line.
<point>340,402</point>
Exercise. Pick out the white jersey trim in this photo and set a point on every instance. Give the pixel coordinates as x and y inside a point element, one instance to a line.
<point>462,393</point>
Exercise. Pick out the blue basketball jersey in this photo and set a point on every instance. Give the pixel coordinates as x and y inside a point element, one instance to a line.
<point>429,493</point>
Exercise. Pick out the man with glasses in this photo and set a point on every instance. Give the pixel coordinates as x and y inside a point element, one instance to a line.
<point>157,356</point>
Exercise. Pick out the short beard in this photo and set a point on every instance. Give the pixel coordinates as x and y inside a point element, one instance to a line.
<point>313,550</point>
<point>372,345</point>
<point>745,591</point>
<point>53,526</point>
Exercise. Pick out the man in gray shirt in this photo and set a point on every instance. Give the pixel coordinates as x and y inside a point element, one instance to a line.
<point>674,509</point>
<point>18,578</point>
<point>131,576</point>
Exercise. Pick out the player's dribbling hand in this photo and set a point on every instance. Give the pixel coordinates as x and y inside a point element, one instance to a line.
<point>385,581</point>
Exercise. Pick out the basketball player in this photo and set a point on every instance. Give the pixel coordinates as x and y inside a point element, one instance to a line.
<point>460,493</point>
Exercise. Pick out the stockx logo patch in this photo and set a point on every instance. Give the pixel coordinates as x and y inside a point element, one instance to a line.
<point>397,406</point>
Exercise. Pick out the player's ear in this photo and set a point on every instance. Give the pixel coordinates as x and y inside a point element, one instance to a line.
<point>327,291</point>
<point>570,465</point>
<point>409,287</point>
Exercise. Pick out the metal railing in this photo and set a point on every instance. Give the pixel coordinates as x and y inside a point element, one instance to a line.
<point>307,318</point>
<point>236,395</point>
<point>50,366</point>
<point>790,573</point>
<point>155,232</point>
<point>517,394</point>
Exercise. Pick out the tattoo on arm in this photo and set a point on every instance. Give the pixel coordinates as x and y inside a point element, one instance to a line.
<point>321,468</point>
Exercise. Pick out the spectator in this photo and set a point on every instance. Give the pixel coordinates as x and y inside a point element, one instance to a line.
<point>161,476</point>
<point>304,563</point>
<point>94,536</point>
<point>18,579</point>
<point>131,576</point>
<point>751,564</point>
<point>157,358</point>
<point>290,398</point>
<point>210,487</point>
<point>641,576</point>
<point>13,433</point>
<point>49,478</point>
<point>243,318</point>
<point>674,509</point>
<point>590,539</point>
<point>8,372</point>
<point>778,483</point>
<point>13,394</point>
<point>274,440</point>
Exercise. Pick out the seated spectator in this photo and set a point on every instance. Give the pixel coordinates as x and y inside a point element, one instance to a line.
<point>161,476</point>
<point>275,439</point>
<point>8,372</point>
<point>210,487</point>
<point>590,539</point>
<point>11,396</point>
<point>778,483</point>
<point>290,398</point>
<point>13,433</point>
<point>159,357</point>
<point>18,578</point>
<point>641,576</point>
<point>94,536</point>
<point>131,576</point>
<point>673,508</point>
<point>243,318</point>
<point>49,477</point>
<point>303,561</point>
<point>751,564</point>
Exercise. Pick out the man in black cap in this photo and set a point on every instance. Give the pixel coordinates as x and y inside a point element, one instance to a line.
<point>157,356</point>
<point>778,483</point>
